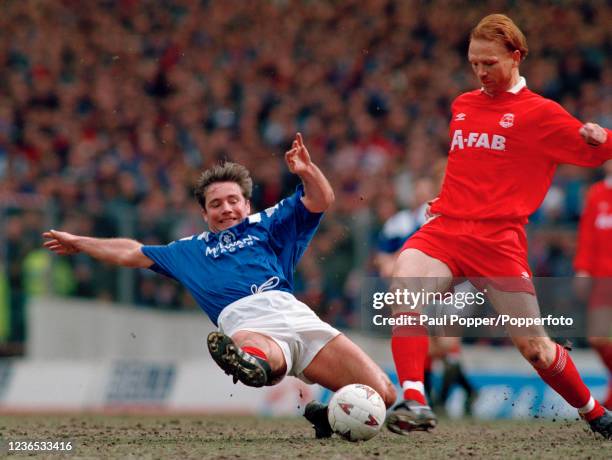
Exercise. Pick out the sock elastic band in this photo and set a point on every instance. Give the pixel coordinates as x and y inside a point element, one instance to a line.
<point>254,351</point>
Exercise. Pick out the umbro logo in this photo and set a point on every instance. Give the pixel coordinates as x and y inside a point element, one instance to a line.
<point>460,117</point>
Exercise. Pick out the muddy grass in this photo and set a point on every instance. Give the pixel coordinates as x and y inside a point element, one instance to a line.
<point>156,437</point>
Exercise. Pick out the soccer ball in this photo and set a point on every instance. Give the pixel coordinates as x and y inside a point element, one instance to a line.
<point>356,412</point>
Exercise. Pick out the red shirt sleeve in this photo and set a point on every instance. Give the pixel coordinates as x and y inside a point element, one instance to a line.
<point>585,250</point>
<point>559,136</point>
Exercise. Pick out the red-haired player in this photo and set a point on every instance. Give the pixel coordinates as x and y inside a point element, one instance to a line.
<point>506,144</point>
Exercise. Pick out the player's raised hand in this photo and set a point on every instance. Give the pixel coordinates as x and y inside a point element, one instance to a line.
<point>298,158</point>
<point>593,134</point>
<point>61,243</point>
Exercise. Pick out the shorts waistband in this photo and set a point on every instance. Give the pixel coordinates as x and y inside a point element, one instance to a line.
<point>271,294</point>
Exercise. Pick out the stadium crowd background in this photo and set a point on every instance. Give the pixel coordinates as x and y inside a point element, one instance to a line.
<point>109,110</point>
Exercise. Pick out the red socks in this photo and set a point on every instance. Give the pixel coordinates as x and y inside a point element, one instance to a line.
<point>563,377</point>
<point>254,351</point>
<point>410,346</point>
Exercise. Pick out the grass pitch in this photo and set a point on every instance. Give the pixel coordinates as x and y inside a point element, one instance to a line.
<point>224,437</point>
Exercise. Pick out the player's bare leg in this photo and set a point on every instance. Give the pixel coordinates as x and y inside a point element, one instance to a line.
<point>414,271</point>
<point>251,358</point>
<point>549,359</point>
<point>533,343</point>
<point>341,363</point>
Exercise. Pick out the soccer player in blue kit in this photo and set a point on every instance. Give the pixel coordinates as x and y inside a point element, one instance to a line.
<point>240,272</point>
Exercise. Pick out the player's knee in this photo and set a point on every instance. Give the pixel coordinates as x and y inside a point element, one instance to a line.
<point>273,352</point>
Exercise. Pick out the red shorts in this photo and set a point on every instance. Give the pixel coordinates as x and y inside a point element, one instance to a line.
<point>485,251</point>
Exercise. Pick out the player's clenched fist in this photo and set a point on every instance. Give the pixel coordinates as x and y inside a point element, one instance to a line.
<point>61,243</point>
<point>593,134</point>
<point>298,158</point>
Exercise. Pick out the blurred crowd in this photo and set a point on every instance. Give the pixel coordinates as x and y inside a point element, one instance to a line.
<point>110,109</point>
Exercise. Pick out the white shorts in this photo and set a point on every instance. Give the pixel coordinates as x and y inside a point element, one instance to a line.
<point>297,330</point>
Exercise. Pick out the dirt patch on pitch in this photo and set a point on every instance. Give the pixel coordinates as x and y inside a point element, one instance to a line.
<point>248,437</point>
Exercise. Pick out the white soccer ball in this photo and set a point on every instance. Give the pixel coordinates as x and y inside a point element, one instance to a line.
<point>356,412</point>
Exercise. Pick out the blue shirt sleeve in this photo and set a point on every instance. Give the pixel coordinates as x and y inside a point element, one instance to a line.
<point>167,259</point>
<point>291,226</point>
<point>290,221</point>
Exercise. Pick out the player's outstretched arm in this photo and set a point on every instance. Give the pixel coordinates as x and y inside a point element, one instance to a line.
<point>116,251</point>
<point>318,193</point>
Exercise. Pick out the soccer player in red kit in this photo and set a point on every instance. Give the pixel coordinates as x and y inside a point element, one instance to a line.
<point>594,262</point>
<point>506,142</point>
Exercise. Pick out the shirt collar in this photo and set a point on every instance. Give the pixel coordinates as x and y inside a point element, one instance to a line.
<point>235,230</point>
<point>522,83</point>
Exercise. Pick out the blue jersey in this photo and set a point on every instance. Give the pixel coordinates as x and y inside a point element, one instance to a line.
<point>258,254</point>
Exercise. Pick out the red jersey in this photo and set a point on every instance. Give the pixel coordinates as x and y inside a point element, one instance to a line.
<point>504,151</point>
<point>594,252</point>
